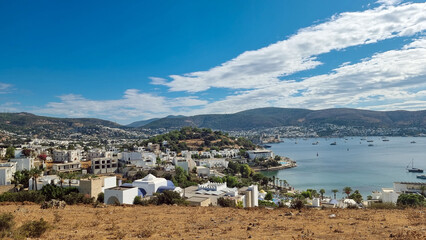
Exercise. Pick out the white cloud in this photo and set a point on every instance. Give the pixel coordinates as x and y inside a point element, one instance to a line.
<point>4,87</point>
<point>397,75</point>
<point>389,2</point>
<point>265,66</point>
<point>133,104</point>
<point>9,107</point>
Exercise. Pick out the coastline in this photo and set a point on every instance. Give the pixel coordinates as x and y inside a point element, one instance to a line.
<point>289,164</point>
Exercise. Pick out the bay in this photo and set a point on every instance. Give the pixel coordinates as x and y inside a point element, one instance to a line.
<point>351,162</point>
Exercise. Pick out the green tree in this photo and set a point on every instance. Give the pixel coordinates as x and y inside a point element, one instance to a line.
<point>347,190</point>
<point>356,196</point>
<point>322,191</point>
<point>10,152</point>
<point>334,192</point>
<point>246,171</point>
<point>18,177</point>
<point>423,189</point>
<point>35,173</point>
<point>268,196</point>
<point>410,200</point>
<point>231,181</point>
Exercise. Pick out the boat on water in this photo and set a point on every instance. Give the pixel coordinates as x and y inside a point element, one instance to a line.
<point>385,140</point>
<point>266,146</point>
<point>413,169</point>
<point>370,145</point>
<point>423,176</point>
<point>315,143</point>
<point>413,142</point>
<point>370,141</point>
<point>333,143</point>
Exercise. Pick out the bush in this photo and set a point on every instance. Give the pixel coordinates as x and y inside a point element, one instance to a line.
<point>6,222</point>
<point>29,196</point>
<point>74,198</point>
<point>268,196</point>
<point>412,200</point>
<point>297,203</point>
<point>225,202</point>
<point>267,204</point>
<point>101,197</point>
<point>170,198</point>
<point>34,229</point>
<point>384,206</point>
<point>137,200</point>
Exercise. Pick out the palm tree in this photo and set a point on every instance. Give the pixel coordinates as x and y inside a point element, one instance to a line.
<point>281,183</point>
<point>335,191</point>
<point>347,190</point>
<point>61,176</point>
<point>71,175</point>
<point>277,179</point>
<point>285,183</point>
<point>35,173</point>
<point>273,180</point>
<point>17,179</point>
<point>322,191</point>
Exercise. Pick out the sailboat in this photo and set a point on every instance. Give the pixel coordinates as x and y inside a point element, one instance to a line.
<point>413,169</point>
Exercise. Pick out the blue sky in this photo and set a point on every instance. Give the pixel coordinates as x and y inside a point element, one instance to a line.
<point>134,60</point>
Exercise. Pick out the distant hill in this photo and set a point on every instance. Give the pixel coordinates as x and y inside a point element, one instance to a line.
<point>276,117</point>
<point>27,123</point>
<point>190,138</point>
<point>145,122</point>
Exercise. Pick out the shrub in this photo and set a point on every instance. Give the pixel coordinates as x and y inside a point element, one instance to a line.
<point>297,203</point>
<point>268,196</point>
<point>267,204</point>
<point>34,229</point>
<point>225,202</point>
<point>6,222</point>
<point>170,198</point>
<point>101,197</point>
<point>384,206</point>
<point>410,200</point>
<point>137,200</point>
<point>29,196</point>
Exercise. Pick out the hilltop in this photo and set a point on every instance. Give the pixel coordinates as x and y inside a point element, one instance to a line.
<point>30,124</point>
<point>278,117</point>
<point>190,138</point>
<point>176,222</point>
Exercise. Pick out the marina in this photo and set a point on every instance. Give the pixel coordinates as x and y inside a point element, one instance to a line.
<point>350,162</point>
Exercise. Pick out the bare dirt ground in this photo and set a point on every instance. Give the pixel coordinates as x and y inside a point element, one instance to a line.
<point>174,222</point>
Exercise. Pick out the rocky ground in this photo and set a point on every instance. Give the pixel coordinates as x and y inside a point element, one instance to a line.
<point>173,222</point>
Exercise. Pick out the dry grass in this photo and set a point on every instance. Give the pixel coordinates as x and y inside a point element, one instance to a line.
<point>161,222</point>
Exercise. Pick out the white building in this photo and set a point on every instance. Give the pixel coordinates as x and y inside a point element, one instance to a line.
<point>150,184</point>
<point>128,157</point>
<point>6,172</point>
<point>390,195</point>
<point>67,167</point>
<point>66,156</point>
<point>98,153</point>
<point>253,154</point>
<point>23,163</point>
<point>104,165</point>
<point>213,162</point>
<point>120,195</point>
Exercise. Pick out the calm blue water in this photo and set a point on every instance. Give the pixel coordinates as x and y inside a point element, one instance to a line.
<point>350,163</point>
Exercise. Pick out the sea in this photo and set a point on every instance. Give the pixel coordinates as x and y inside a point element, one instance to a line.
<point>351,162</point>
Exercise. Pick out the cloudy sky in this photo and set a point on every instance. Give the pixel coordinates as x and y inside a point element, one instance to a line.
<point>144,59</point>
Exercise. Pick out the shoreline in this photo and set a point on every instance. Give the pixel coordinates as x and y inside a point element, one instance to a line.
<point>290,164</point>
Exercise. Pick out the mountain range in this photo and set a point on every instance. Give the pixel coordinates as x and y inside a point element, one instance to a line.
<point>261,118</point>
<point>277,117</point>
